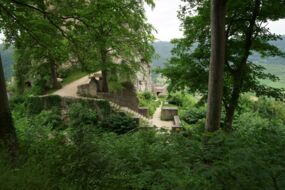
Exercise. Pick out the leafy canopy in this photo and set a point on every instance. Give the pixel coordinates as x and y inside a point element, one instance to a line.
<point>189,66</point>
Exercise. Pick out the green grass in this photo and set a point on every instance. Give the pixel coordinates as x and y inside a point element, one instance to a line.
<point>73,77</point>
<point>279,71</point>
<point>148,100</point>
<point>169,105</point>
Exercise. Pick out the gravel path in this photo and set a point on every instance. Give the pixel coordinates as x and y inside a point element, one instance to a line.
<point>70,90</point>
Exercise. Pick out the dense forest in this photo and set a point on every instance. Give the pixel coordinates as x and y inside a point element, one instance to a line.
<point>83,113</point>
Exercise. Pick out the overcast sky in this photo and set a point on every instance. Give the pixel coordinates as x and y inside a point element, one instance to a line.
<point>164,19</point>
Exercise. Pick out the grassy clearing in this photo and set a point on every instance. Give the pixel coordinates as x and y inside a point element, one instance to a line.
<point>278,70</point>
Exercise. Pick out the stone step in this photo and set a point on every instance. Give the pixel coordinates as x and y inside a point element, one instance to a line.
<point>132,112</point>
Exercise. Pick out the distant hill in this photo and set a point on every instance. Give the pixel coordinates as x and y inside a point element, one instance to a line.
<point>8,60</point>
<point>163,49</point>
<point>274,65</point>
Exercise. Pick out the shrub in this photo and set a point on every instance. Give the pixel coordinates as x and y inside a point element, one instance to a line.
<point>194,114</point>
<point>80,114</point>
<point>182,100</point>
<point>82,122</point>
<point>175,100</point>
<point>48,118</point>
<point>251,157</point>
<point>147,96</point>
<point>148,100</point>
<point>37,104</point>
<point>118,123</point>
<point>147,160</point>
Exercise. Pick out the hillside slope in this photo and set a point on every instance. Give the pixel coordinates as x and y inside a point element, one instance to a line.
<point>274,65</point>
<point>163,49</point>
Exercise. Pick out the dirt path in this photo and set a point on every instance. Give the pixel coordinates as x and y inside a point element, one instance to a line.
<point>70,90</point>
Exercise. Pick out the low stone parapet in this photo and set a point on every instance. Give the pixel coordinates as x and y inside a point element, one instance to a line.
<point>83,90</point>
<point>143,111</point>
<point>177,124</point>
<point>168,113</point>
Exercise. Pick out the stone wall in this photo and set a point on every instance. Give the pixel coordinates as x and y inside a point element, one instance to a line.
<point>37,104</point>
<point>168,113</point>
<point>126,97</point>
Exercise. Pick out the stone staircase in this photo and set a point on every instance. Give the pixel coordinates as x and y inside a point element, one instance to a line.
<point>129,111</point>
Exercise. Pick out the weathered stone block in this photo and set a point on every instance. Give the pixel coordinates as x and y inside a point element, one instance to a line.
<point>177,124</point>
<point>83,90</point>
<point>143,111</point>
<point>168,113</point>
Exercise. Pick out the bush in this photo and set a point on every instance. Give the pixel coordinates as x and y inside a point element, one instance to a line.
<point>175,100</point>
<point>148,100</point>
<point>194,114</point>
<point>147,96</point>
<point>48,118</point>
<point>182,100</point>
<point>118,123</point>
<point>37,104</point>
<point>80,114</point>
<point>251,157</point>
<point>82,122</point>
<point>147,160</point>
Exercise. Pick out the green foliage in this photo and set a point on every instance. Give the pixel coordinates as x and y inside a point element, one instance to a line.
<point>37,104</point>
<point>246,33</point>
<point>147,96</point>
<point>81,115</point>
<point>71,75</point>
<point>193,115</point>
<point>148,100</point>
<point>82,122</point>
<point>252,157</point>
<point>175,100</point>
<point>182,99</point>
<point>102,106</point>
<point>118,123</point>
<point>95,35</point>
<point>48,118</point>
<point>274,111</point>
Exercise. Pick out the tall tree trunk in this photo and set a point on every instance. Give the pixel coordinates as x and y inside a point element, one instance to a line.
<point>8,136</point>
<point>216,71</point>
<point>240,72</point>
<point>105,86</point>
<point>54,82</point>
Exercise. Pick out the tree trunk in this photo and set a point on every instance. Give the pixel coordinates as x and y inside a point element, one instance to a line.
<point>54,82</point>
<point>239,73</point>
<point>105,86</point>
<point>8,136</point>
<point>216,71</point>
